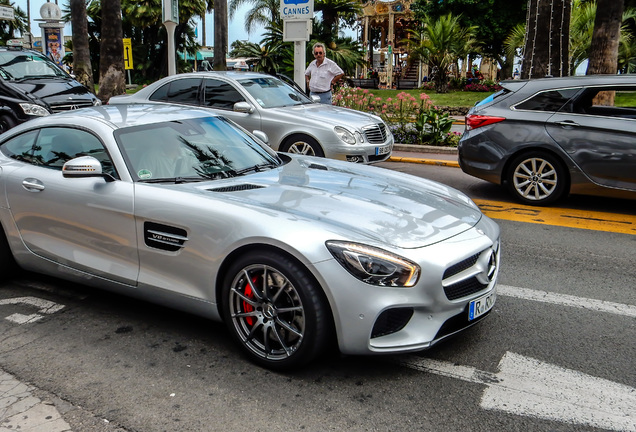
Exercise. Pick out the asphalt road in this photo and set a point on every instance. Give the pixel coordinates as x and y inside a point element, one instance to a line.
<point>556,354</point>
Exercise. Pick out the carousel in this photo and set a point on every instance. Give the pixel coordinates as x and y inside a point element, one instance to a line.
<point>385,27</point>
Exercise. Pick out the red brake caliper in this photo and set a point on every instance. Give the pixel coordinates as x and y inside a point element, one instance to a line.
<point>246,306</point>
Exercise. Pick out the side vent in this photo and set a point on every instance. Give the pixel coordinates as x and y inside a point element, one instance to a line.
<point>236,188</point>
<point>164,237</point>
<point>318,167</point>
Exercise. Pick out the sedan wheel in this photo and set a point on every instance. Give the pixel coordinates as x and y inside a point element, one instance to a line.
<point>304,145</point>
<point>537,178</point>
<point>275,310</point>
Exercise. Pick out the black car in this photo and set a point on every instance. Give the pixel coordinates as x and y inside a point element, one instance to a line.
<point>32,85</point>
<point>548,137</point>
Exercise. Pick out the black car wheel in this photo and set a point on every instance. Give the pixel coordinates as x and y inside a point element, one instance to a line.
<point>537,178</point>
<point>301,144</point>
<point>275,310</point>
<point>8,267</point>
<point>6,122</point>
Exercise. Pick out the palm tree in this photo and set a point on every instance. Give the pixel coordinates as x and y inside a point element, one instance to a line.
<point>19,24</point>
<point>333,12</point>
<point>112,80</point>
<point>605,38</point>
<point>439,43</point>
<point>263,13</point>
<point>82,67</point>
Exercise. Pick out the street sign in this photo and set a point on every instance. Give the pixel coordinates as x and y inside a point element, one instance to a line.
<point>128,58</point>
<point>296,9</point>
<point>296,30</point>
<point>7,13</point>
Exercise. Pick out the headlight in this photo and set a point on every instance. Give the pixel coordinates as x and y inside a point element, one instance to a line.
<point>345,135</point>
<point>34,110</point>
<point>373,265</point>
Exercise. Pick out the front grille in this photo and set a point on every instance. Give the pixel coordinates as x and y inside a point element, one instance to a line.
<point>71,106</point>
<point>375,134</point>
<point>391,321</point>
<point>470,275</point>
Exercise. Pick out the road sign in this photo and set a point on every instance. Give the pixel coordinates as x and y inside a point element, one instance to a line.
<point>128,58</point>
<point>6,13</point>
<point>296,9</point>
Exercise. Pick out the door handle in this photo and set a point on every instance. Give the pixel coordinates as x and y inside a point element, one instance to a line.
<point>569,123</point>
<point>32,185</point>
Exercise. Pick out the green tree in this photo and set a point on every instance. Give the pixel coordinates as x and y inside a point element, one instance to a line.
<point>492,21</point>
<point>262,14</point>
<point>9,28</point>
<point>335,14</point>
<point>605,38</point>
<point>439,43</point>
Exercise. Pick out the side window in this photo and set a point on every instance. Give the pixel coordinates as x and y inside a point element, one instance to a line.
<point>22,148</point>
<point>184,91</point>
<point>219,94</point>
<point>550,100</point>
<point>616,101</point>
<point>56,146</point>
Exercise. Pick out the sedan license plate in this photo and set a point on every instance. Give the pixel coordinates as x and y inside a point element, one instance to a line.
<point>379,151</point>
<point>480,306</point>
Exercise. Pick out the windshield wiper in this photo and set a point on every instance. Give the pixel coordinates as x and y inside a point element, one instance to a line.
<point>175,180</point>
<point>255,168</point>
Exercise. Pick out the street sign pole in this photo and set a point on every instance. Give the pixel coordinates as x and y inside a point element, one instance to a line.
<point>170,17</point>
<point>297,16</point>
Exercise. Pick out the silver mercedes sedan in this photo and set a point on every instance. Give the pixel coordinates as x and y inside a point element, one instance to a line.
<point>293,122</point>
<point>183,208</point>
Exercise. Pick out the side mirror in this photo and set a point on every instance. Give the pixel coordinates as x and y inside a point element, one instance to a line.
<point>315,99</point>
<point>243,107</point>
<point>261,136</point>
<point>84,166</point>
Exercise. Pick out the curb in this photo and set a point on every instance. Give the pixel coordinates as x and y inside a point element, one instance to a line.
<point>452,151</point>
<point>424,161</point>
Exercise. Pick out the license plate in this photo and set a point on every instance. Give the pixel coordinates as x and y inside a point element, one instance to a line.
<point>379,151</point>
<point>480,306</point>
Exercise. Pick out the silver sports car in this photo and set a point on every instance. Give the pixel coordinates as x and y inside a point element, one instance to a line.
<point>293,122</point>
<point>180,207</point>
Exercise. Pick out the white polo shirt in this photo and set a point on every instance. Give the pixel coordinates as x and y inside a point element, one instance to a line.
<point>321,76</point>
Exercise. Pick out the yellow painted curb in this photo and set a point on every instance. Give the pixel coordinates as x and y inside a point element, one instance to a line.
<point>424,161</point>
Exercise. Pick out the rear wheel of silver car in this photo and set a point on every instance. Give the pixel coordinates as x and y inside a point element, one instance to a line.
<point>537,178</point>
<point>302,144</point>
<point>275,310</point>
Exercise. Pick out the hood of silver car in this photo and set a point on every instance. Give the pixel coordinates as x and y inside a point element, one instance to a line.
<point>358,200</point>
<point>327,113</point>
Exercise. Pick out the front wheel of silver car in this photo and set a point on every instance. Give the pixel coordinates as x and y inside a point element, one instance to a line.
<point>537,178</point>
<point>275,310</point>
<point>302,144</point>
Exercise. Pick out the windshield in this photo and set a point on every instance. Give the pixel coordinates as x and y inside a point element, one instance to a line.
<point>196,149</point>
<point>271,92</point>
<point>22,65</point>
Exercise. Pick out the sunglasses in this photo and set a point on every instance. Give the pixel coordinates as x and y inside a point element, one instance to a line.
<point>318,53</point>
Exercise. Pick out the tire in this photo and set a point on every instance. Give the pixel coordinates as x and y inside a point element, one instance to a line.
<point>8,267</point>
<point>302,144</point>
<point>537,178</point>
<point>280,325</point>
<point>6,122</point>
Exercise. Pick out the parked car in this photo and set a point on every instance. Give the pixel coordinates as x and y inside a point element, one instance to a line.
<point>293,122</point>
<point>181,207</point>
<point>32,85</point>
<point>545,138</point>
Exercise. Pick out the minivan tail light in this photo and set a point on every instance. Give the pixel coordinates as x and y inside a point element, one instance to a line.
<point>475,121</point>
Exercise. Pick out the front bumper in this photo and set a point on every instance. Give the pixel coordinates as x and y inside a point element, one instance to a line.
<point>371,319</point>
<point>360,153</point>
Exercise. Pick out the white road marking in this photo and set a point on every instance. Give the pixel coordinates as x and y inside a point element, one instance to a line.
<point>44,307</point>
<point>567,300</point>
<point>526,386</point>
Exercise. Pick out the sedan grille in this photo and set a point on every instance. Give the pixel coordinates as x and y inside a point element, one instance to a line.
<point>375,134</point>
<point>471,275</point>
<point>70,106</point>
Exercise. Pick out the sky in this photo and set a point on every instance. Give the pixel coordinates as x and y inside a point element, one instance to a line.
<point>236,27</point>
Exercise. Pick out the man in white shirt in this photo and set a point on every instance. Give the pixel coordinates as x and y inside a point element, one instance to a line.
<point>322,74</point>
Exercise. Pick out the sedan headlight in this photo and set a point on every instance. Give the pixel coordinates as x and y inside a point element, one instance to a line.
<point>373,265</point>
<point>34,110</point>
<point>345,135</point>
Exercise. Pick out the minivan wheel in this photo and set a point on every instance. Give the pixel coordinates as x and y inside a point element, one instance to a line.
<point>537,178</point>
<point>302,144</point>
<point>6,123</point>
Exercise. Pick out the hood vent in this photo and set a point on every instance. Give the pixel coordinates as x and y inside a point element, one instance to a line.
<point>318,167</point>
<point>236,188</point>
